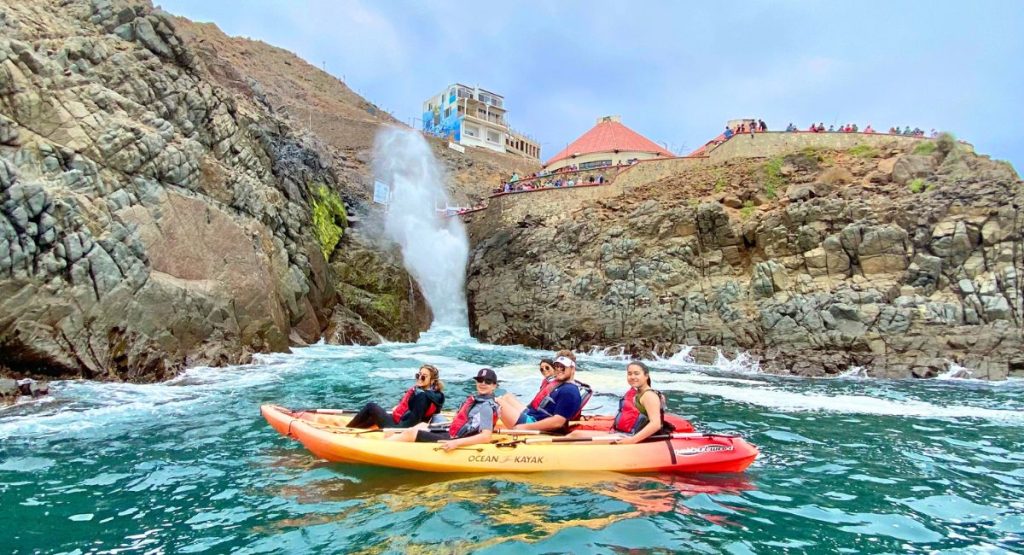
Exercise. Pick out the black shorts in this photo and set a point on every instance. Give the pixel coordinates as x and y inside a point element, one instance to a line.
<point>426,436</point>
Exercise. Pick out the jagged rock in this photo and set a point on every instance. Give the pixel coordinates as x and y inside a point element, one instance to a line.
<point>9,389</point>
<point>150,217</point>
<point>910,166</point>
<point>883,250</point>
<point>870,277</point>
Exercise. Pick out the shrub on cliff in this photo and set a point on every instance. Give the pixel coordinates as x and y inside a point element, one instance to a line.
<point>925,148</point>
<point>773,180</point>
<point>865,151</point>
<point>329,219</point>
<point>919,186</point>
<point>747,210</point>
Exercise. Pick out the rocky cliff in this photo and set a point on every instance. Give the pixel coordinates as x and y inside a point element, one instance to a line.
<point>900,260</point>
<point>152,218</point>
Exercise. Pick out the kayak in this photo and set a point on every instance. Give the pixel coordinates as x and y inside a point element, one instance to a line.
<point>324,434</point>
<point>339,418</point>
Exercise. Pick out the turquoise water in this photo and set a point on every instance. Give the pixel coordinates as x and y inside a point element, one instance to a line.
<point>188,466</point>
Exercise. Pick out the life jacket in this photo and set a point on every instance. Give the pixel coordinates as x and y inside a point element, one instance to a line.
<point>546,387</point>
<point>403,407</point>
<point>548,402</point>
<point>586,392</point>
<point>462,427</point>
<point>631,418</point>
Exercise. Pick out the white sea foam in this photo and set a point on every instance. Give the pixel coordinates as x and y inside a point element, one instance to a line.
<point>956,372</point>
<point>787,401</point>
<point>854,373</point>
<point>435,248</point>
<point>680,358</point>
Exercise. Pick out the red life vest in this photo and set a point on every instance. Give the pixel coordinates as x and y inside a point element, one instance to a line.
<point>546,387</point>
<point>462,427</point>
<point>403,407</point>
<point>630,419</point>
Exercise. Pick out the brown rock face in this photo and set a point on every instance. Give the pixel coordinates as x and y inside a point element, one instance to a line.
<point>150,218</point>
<point>852,267</point>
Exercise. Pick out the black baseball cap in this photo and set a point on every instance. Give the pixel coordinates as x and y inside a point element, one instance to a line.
<point>486,374</point>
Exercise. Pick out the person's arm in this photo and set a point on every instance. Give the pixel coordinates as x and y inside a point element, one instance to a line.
<point>652,404</point>
<point>567,403</point>
<point>486,415</point>
<point>555,422</point>
<point>482,437</point>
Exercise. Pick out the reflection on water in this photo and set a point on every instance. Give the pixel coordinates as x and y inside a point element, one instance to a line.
<point>527,507</point>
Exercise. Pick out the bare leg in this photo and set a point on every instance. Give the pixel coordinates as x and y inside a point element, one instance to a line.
<point>408,435</point>
<point>511,408</point>
<point>590,433</point>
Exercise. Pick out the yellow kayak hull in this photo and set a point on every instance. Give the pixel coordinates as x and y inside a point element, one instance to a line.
<point>326,437</point>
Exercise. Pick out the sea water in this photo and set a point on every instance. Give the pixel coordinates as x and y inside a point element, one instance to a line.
<point>189,466</point>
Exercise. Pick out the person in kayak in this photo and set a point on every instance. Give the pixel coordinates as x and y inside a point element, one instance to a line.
<point>560,403</point>
<point>547,368</point>
<point>473,424</point>
<point>420,402</point>
<point>641,410</point>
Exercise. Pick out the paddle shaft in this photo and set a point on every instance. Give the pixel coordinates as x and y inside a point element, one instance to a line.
<point>693,435</point>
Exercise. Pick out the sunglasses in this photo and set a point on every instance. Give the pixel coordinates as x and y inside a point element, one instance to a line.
<point>486,381</point>
<point>422,376</point>
<point>559,367</point>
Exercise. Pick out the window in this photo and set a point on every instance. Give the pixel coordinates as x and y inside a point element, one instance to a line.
<point>471,131</point>
<point>493,136</point>
<point>447,112</point>
<point>596,164</point>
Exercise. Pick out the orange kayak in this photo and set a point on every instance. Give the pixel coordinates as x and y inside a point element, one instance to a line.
<point>324,434</point>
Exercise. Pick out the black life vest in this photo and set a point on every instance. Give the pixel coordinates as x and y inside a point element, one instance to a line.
<point>462,427</point>
<point>548,402</point>
<point>585,391</point>
<point>403,407</point>
<point>631,418</point>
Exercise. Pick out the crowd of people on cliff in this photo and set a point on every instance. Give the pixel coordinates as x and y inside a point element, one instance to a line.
<point>752,126</point>
<point>562,177</point>
<point>853,128</point>
<point>558,403</point>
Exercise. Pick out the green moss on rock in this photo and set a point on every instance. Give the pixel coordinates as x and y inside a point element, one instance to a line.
<point>329,219</point>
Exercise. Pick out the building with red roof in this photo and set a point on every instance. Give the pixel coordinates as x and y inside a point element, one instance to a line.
<point>606,144</point>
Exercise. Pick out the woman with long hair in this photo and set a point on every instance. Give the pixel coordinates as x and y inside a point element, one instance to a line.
<point>419,403</point>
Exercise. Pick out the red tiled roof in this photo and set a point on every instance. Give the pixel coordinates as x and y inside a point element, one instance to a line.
<point>608,136</point>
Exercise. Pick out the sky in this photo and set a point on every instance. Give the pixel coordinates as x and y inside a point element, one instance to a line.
<point>674,71</point>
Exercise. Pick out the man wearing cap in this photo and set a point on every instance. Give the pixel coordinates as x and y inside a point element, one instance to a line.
<point>472,424</point>
<point>554,411</point>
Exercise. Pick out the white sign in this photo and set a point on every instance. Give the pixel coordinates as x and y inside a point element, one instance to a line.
<point>459,148</point>
<point>381,192</point>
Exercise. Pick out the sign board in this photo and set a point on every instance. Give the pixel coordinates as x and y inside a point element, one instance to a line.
<point>456,147</point>
<point>381,192</point>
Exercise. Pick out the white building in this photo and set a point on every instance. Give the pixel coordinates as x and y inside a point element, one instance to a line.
<point>472,116</point>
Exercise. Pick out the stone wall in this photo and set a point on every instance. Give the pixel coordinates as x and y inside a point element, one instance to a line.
<point>766,145</point>
<point>513,208</point>
<point>647,172</point>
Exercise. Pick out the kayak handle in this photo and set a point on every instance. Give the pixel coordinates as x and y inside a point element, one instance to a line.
<point>477,449</point>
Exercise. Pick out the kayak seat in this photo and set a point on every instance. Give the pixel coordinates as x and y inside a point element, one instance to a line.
<point>586,392</point>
